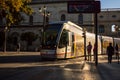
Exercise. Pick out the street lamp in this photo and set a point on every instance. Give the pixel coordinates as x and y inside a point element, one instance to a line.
<point>115,29</point>
<point>45,13</point>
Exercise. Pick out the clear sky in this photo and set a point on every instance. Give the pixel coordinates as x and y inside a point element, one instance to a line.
<point>110,4</point>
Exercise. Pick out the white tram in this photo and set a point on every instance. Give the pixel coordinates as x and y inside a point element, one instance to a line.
<point>65,40</point>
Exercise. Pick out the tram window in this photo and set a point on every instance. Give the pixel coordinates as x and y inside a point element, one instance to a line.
<point>64,39</point>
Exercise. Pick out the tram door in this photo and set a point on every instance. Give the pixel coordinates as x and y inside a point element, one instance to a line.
<point>71,43</point>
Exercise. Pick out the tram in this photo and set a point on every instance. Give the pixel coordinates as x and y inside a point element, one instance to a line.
<point>65,40</point>
<point>62,40</point>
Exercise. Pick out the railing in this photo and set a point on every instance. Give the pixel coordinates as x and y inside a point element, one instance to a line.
<point>111,9</point>
<point>34,23</point>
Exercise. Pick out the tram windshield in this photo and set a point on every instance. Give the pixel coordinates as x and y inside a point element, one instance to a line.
<point>50,35</point>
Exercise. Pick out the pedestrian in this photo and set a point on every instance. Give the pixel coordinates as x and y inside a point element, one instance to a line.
<point>110,52</point>
<point>94,51</point>
<point>18,47</point>
<point>117,52</point>
<point>89,48</point>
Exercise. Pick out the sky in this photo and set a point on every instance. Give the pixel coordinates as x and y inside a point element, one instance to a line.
<point>110,4</point>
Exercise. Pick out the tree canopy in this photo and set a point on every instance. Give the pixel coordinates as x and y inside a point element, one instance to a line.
<point>11,10</point>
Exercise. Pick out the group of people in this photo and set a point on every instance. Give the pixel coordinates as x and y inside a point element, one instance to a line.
<point>110,51</point>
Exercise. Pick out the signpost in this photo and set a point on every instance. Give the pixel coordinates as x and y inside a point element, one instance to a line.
<point>87,7</point>
<point>83,6</point>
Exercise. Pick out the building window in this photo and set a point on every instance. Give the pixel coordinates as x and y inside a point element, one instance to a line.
<point>101,16</point>
<point>1,21</point>
<point>31,20</point>
<point>63,17</point>
<point>80,19</point>
<point>114,16</point>
<point>101,29</point>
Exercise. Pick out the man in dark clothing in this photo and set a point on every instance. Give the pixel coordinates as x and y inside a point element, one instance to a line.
<point>89,48</point>
<point>110,52</point>
<point>117,52</point>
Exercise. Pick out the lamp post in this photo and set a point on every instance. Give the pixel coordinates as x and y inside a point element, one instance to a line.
<point>2,15</point>
<point>96,40</point>
<point>45,13</point>
<point>5,30</point>
<point>84,35</point>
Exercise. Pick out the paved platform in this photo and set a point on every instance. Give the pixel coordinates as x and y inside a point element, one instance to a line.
<point>77,71</point>
<point>18,53</point>
<point>103,71</point>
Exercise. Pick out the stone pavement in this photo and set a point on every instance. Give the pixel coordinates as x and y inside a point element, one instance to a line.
<point>90,71</point>
<point>103,71</point>
<point>14,57</point>
<point>109,71</point>
<point>18,53</point>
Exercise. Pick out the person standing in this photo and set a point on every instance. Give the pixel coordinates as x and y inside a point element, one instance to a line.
<point>117,52</point>
<point>94,51</point>
<point>89,48</point>
<point>18,47</point>
<point>110,52</point>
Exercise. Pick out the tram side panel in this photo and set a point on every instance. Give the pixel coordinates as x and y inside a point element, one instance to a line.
<point>90,37</point>
<point>117,41</point>
<point>63,48</point>
<point>72,34</point>
<point>99,44</point>
<point>76,41</point>
<point>66,50</point>
<point>79,45</point>
<point>105,42</point>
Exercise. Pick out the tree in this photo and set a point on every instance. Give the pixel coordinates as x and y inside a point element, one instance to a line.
<point>11,10</point>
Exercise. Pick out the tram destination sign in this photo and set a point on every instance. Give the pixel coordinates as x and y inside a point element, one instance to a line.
<point>83,6</point>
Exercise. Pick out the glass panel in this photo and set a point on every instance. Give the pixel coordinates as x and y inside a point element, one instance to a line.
<point>31,20</point>
<point>63,17</point>
<point>51,35</point>
<point>101,29</point>
<point>80,19</point>
<point>63,39</point>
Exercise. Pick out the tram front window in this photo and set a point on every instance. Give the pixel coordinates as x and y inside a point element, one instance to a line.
<point>50,38</point>
<point>50,35</point>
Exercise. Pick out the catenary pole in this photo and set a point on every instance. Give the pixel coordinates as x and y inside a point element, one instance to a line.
<point>96,40</point>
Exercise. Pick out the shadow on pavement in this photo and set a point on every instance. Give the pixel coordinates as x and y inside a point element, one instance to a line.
<point>20,58</point>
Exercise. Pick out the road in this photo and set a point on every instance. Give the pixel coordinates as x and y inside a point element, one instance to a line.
<point>44,70</point>
<point>71,69</point>
<point>109,71</point>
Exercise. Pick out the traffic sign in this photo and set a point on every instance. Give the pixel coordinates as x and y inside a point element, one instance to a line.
<point>83,6</point>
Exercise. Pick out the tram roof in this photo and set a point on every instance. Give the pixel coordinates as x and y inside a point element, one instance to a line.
<point>60,22</point>
<point>67,22</point>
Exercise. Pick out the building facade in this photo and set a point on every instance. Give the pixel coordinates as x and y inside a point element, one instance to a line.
<point>58,12</point>
<point>108,18</point>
